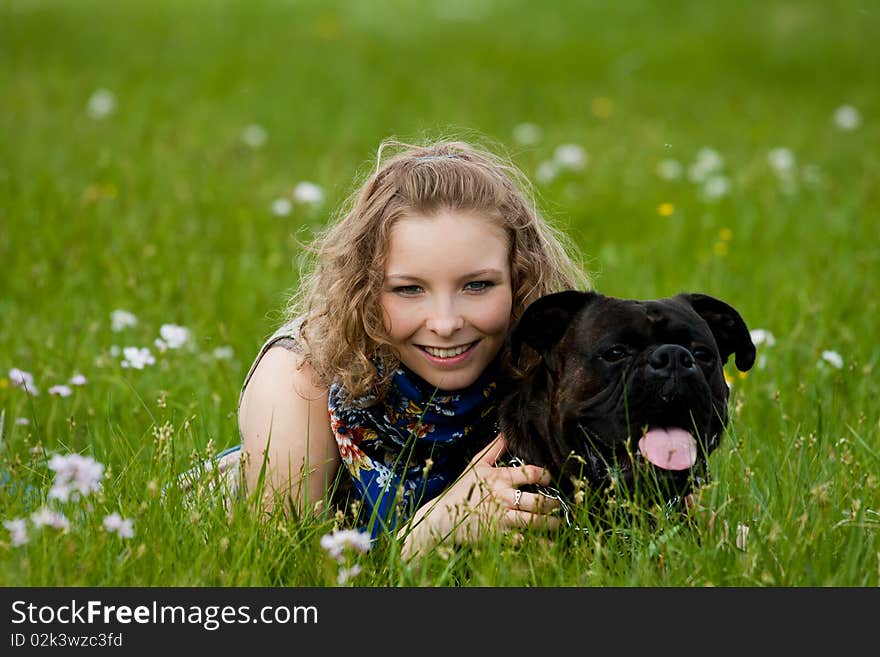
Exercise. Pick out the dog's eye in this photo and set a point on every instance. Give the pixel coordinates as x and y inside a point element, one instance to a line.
<point>614,354</point>
<point>703,354</point>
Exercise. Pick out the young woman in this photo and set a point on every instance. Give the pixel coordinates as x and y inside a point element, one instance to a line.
<point>389,363</point>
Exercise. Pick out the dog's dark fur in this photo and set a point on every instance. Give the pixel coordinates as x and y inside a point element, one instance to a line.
<point>593,372</point>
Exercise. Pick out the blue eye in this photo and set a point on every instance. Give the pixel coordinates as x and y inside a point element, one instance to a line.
<point>407,290</point>
<point>479,286</point>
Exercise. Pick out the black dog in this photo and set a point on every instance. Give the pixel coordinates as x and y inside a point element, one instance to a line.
<point>607,388</point>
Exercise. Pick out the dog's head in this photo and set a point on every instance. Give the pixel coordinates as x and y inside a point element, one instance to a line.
<point>622,387</point>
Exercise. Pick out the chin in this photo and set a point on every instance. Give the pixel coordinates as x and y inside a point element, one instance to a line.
<point>451,382</point>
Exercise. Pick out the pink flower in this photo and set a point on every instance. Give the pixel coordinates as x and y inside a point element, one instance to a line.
<point>22,379</point>
<point>336,542</point>
<point>48,518</point>
<point>75,475</point>
<point>17,531</point>
<point>121,526</point>
<point>346,574</point>
<point>61,391</point>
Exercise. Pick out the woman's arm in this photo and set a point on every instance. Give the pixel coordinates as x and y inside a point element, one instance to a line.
<point>484,499</point>
<point>285,425</point>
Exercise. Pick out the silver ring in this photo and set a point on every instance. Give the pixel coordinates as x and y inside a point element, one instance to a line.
<point>517,494</point>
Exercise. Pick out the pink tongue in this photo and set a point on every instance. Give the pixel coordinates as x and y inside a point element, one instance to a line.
<point>670,449</point>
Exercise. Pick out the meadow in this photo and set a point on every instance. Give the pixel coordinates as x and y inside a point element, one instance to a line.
<point>162,164</point>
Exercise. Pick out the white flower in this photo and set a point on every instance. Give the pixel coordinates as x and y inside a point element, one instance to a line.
<point>546,171</point>
<point>570,156</point>
<point>22,421</point>
<point>781,160</point>
<point>742,537</point>
<point>137,357</point>
<point>308,192</point>
<point>22,379</point>
<point>17,531</point>
<point>847,117</point>
<point>254,135</point>
<point>281,207</point>
<point>336,542</point>
<point>61,391</point>
<point>47,518</point>
<point>75,475</point>
<point>833,358</point>
<point>174,336</point>
<point>715,187</point>
<point>527,134</point>
<point>121,526</point>
<point>762,336</point>
<point>346,574</point>
<point>223,353</point>
<point>78,380</point>
<point>670,169</point>
<point>101,104</point>
<point>708,162</point>
<point>121,320</point>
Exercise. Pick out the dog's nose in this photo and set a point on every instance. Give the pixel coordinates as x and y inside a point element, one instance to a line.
<point>672,359</point>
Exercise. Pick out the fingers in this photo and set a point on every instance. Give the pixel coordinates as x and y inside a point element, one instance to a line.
<point>514,518</point>
<point>516,475</point>
<point>521,475</point>
<point>531,502</point>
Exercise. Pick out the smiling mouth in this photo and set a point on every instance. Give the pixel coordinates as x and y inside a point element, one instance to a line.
<point>451,352</point>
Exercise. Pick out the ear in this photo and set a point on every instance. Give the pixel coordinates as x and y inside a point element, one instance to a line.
<point>730,331</point>
<point>546,319</point>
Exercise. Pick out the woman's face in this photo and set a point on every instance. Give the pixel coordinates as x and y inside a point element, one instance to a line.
<point>447,295</point>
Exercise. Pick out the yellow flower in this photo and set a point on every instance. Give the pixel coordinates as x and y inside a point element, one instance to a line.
<point>720,248</point>
<point>726,234</point>
<point>666,209</point>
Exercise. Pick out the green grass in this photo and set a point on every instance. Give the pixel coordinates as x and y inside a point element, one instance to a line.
<point>160,209</point>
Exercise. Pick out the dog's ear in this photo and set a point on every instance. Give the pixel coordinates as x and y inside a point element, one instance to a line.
<point>730,331</point>
<point>546,319</point>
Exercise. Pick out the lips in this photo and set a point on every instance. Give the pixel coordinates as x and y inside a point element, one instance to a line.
<point>446,352</point>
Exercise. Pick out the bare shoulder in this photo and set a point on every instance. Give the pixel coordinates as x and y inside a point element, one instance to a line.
<point>282,392</point>
<point>280,373</point>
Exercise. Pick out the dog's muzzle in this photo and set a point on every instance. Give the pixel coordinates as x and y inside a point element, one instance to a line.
<point>671,365</point>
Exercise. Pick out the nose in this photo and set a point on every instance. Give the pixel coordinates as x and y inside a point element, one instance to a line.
<point>444,319</point>
<point>670,360</point>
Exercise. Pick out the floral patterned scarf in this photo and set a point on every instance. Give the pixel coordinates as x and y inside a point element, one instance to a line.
<point>406,449</point>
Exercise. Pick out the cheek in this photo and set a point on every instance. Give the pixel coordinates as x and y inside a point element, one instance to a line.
<point>495,317</point>
<point>394,318</point>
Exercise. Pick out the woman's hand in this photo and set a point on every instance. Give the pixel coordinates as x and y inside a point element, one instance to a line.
<point>485,498</point>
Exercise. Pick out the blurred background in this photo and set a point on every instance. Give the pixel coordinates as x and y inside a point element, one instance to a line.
<point>170,158</point>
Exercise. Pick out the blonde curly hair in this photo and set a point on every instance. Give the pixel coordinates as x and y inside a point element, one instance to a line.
<point>341,325</point>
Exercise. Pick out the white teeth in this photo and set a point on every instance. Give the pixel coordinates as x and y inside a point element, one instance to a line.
<point>446,353</point>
